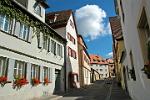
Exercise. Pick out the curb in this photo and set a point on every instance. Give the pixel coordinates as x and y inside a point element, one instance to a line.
<point>56,98</point>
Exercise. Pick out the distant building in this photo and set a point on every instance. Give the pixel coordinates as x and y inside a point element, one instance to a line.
<point>100,65</point>
<point>111,67</point>
<point>31,52</point>
<point>63,22</point>
<point>84,63</point>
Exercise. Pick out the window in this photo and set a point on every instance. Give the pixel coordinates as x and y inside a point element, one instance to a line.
<point>45,42</point>
<point>71,24</point>
<point>68,35</point>
<point>48,73</point>
<point>24,31</point>
<point>101,69</point>
<point>20,69</point>
<point>35,72</point>
<point>73,54</point>
<point>122,10</point>
<point>53,46</point>
<point>59,50</point>
<point>3,66</point>
<point>37,9</point>
<point>71,38</point>
<point>69,51</point>
<point>4,23</point>
<point>132,71</point>
<point>144,36</point>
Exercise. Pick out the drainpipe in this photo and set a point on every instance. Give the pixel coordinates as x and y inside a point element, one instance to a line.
<point>65,65</point>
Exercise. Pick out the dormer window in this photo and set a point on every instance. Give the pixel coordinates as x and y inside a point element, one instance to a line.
<point>37,9</point>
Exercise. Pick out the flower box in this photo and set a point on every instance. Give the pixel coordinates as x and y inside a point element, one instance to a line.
<point>46,81</point>
<point>35,82</point>
<point>3,80</point>
<point>18,83</point>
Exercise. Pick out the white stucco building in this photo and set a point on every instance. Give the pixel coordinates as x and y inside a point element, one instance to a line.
<point>31,52</point>
<point>135,20</point>
<point>63,22</point>
<point>100,65</point>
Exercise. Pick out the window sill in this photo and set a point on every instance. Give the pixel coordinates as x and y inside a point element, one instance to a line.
<point>14,36</point>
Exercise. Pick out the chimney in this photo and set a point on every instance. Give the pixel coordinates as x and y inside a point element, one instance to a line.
<point>55,17</point>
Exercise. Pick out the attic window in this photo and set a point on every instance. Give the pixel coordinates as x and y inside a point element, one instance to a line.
<point>37,9</point>
<point>71,24</point>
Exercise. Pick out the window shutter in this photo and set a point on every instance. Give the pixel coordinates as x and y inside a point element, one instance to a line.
<point>49,44</point>
<point>40,42</point>
<point>30,34</point>
<point>11,64</point>
<point>41,74</point>
<point>28,71</point>
<point>6,66</point>
<point>13,26</point>
<point>17,29</point>
<point>55,49</point>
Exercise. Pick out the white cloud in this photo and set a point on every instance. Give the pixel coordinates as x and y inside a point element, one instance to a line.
<point>90,21</point>
<point>110,54</point>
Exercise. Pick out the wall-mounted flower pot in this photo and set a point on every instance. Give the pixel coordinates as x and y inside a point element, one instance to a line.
<point>146,70</point>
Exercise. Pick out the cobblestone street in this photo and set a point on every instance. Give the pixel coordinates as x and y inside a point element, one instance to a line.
<point>97,91</point>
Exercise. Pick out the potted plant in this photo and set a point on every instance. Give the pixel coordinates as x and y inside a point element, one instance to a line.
<point>46,81</point>
<point>3,80</point>
<point>35,82</point>
<point>19,82</point>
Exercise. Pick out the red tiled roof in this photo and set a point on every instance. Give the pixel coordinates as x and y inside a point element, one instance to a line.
<point>60,21</point>
<point>95,59</point>
<point>116,27</point>
<point>109,60</point>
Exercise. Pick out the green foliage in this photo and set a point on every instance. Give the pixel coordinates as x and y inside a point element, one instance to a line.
<point>8,8</point>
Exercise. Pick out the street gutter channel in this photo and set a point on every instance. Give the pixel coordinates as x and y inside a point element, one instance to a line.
<point>109,93</point>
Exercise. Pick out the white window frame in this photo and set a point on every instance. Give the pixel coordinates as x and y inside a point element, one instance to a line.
<point>53,46</point>
<point>3,66</point>
<point>24,31</point>
<point>3,22</point>
<point>47,72</point>
<point>59,50</point>
<point>35,71</point>
<point>45,42</point>
<point>20,69</point>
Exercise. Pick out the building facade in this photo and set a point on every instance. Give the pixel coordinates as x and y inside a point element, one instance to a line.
<point>111,67</point>
<point>31,52</point>
<point>135,21</point>
<point>84,63</point>
<point>63,22</point>
<point>118,50</point>
<point>100,65</point>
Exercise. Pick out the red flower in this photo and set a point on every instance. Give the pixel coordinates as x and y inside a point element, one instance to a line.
<point>20,82</point>
<point>46,81</point>
<point>3,79</point>
<point>35,81</point>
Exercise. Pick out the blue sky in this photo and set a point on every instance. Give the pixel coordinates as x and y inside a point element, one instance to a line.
<point>101,42</point>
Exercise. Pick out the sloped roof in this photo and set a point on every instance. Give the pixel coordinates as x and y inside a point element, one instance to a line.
<point>58,19</point>
<point>95,59</point>
<point>109,60</point>
<point>116,27</point>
